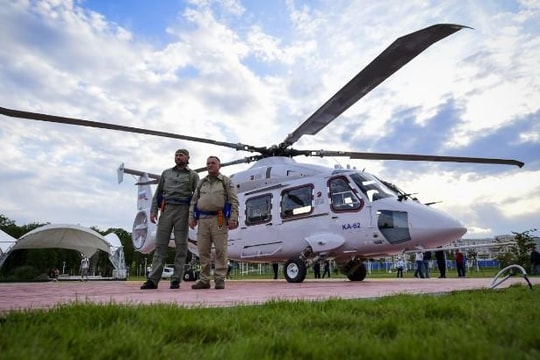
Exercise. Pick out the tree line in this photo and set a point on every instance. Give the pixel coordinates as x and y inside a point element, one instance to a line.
<point>28,264</point>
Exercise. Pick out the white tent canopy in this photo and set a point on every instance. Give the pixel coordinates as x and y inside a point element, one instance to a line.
<point>6,241</point>
<point>84,240</point>
<point>114,241</point>
<point>65,236</point>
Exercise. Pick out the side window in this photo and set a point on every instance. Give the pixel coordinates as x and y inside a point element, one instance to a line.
<point>341,195</point>
<point>297,201</point>
<point>259,209</point>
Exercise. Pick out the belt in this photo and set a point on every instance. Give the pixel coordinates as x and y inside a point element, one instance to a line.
<point>208,212</point>
<point>177,201</point>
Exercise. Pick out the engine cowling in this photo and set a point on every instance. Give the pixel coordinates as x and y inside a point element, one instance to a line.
<point>143,235</point>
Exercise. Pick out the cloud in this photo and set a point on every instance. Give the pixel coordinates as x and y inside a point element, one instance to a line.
<point>251,72</point>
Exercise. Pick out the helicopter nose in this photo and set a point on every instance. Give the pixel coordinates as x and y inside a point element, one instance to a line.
<point>435,228</point>
<point>418,225</point>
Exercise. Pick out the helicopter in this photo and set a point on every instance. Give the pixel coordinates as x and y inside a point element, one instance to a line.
<point>296,213</point>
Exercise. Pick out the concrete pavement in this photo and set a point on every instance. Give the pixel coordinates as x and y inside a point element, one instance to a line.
<point>43,295</point>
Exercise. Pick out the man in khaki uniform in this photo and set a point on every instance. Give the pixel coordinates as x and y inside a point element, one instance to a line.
<point>172,198</point>
<point>214,207</point>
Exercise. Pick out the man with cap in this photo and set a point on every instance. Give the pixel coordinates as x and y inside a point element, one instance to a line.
<point>172,197</point>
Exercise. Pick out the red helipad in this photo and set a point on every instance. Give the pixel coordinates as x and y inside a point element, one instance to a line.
<point>23,296</point>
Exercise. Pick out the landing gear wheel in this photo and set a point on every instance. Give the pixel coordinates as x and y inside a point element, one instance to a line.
<point>295,270</point>
<point>355,270</point>
<point>190,275</point>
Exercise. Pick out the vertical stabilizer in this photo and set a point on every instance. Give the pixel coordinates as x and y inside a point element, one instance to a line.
<point>120,173</point>
<point>144,193</point>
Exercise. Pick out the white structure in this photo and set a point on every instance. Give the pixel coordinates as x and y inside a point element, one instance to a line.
<point>6,242</point>
<point>84,240</point>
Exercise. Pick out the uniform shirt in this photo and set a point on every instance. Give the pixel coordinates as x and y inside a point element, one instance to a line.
<point>176,186</point>
<point>212,194</point>
<point>440,255</point>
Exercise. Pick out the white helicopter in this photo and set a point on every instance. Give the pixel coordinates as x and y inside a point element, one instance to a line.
<point>296,213</point>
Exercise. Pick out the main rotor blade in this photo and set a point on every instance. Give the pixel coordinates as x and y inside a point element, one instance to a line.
<point>96,124</point>
<point>399,53</point>
<point>409,157</point>
<point>245,160</point>
<point>156,177</point>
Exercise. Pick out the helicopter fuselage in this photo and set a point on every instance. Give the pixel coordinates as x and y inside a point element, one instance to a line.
<point>301,213</point>
<point>336,213</point>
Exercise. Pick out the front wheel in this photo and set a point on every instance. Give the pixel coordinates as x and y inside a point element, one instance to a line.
<point>295,270</point>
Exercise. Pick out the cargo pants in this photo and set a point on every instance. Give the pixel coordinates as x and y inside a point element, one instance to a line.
<point>210,233</point>
<point>173,218</point>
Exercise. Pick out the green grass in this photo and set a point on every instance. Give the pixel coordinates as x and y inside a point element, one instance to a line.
<point>480,324</point>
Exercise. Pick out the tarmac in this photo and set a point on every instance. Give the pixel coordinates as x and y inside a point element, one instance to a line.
<point>48,295</point>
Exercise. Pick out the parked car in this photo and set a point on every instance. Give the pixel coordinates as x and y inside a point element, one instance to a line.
<point>168,270</point>
<point>190,274</point>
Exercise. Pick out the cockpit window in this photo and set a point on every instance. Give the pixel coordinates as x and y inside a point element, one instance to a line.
<point>371,186</point>
<point>342,197</point>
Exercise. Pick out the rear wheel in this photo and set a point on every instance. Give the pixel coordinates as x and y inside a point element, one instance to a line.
<point>189,275</point>
<point>355,270</point>
<point>295,270</point>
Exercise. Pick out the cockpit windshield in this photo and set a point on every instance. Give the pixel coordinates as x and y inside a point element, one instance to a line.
<point>372,187</point>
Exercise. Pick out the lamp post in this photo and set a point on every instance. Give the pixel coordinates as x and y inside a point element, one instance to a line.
<point>145,272</point>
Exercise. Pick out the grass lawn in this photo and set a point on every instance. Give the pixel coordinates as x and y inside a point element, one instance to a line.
<point>480,324</point>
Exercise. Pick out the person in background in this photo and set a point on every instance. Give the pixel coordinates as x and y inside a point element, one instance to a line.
<point>229,269</point>
<point>426,260</point>
<point>317,269</point>
<point>400,264</point>
<point>419,260</point>
<point>148,270</point>
<point>214,208</point>
<point>54,274</point>
<point>441,263</point>
<point>172,197</point>
<point>85,266</point>
<point>275,267</point>
<point>460,263</point>
<point>535,262</point>
<point>326,267</point>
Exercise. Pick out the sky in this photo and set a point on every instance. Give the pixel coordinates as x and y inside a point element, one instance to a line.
<point>251,72</point>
